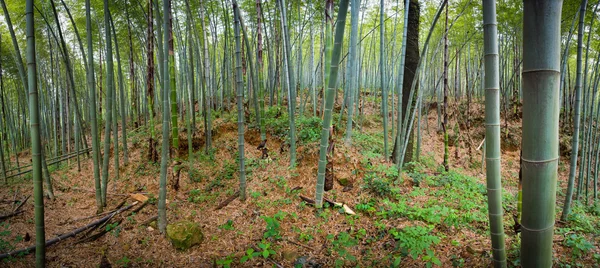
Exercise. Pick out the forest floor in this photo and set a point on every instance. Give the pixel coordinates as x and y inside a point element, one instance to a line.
<point>427,217</point>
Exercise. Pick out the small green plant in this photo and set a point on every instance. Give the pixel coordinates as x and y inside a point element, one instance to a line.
<point>254,194</point>
<point>114,228</point>
<point>273,227</point>
<point>305,237</point>
<point>340,245</point>
<point>228,170</point>
<point>265,249</point>
<point>225,262</point>
<point>416,240</point>
<point>250,254</point>
<point>280,181</point>
<point>579,245</point>
<point>309,129</point>
<point>377,185</point>
<point>7,244</point>
<point>195,175</point>
<point>124,262</point>
<point>151,199</point>
<point>367,207</point>
<point>227,226</point>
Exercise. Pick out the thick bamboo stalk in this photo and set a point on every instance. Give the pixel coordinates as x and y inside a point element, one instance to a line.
<point>36,146</point>
<point>240,99</point>
<point>335,59</point>
<point>541,78</point>
<point>492,129</point>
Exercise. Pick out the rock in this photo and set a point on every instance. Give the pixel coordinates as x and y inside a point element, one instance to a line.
<point>344,182</point>
<point>184,234</point>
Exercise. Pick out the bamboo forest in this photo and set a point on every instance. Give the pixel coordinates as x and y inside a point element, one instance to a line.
<point>299,133</point>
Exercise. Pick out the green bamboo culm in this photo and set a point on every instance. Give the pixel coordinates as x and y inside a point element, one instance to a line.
<point>164,157</point>
<point>253,79</point>
<point>240,98</point>
<point>353,61</point>
<point>400,85</point>
<point>329,98</point>
<point>259,70</point>
<point>382,79</point>
<point>291,83</point>
<point>36,145</point>
<point>109,101</point>
<point>445,121</point>
<point>205,88</point>
<point>492,129</point>
<point>328,44</point>
<point>93,118</point>
<point>577,114</point>
<point>168,22</point>
<point>541,77</point>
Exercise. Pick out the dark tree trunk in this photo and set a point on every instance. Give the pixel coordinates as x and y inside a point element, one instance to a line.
<point>410,69</point>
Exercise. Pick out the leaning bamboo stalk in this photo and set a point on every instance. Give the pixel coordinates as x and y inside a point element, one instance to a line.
<point>331,88</point>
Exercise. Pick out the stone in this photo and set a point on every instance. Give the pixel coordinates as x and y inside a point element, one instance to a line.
<point>185,234</point>
<point>344,182</point>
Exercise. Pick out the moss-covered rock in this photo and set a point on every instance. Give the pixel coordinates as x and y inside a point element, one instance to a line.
<point>344,181</point>
<point>184,234</point>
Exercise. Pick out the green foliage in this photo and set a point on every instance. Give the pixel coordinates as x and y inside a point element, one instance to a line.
<point>309,129</point>
<point>579,245</point>
<point>151,199</point>
<point>273,226</point>
<point>228,170</point>
<point>114,228</point>
<point>340,245</point>
<point>124,262</point>
<point>214,184</point>
<point>369,143</point>
<point>227,226</point>
<point>415,240</point>
<point>225,262</point>
<point>377,179</point>
<point>250,254</point>
<point>7,244</point>
<point>195,175</point>
<point>278,124</point>
<point>367,207</point>
<point>581,221</point>
<point>376,185</point>
<point>198,196</point>
<point>265,252</point>
<point>265,249</point>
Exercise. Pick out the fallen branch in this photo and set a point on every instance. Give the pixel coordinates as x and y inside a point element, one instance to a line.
<point>55,240</point>
<point>94,191</point>
<point>481,144</point>
<point>331,203</point>
<point>228,200</point>
<point>97,235</point>
<point>16,201</point>
<point>150,220</point>
<point>88,217</point>
<point>22,203</point>
<point>12,214</point>
<point>140,207</point>
<point>308,200</point>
